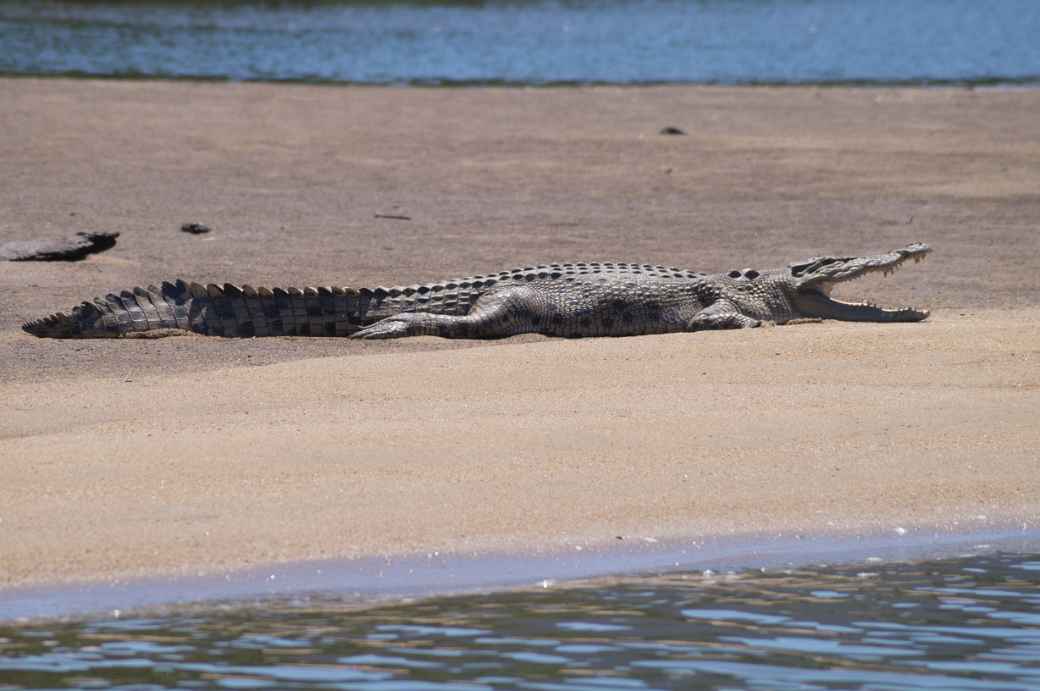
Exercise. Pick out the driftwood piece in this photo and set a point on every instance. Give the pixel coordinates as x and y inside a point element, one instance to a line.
<point>68,249</point>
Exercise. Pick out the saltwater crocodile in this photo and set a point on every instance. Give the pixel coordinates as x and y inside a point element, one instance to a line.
<point>571,300</point>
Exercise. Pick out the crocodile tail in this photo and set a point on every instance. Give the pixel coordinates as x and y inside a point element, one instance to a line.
<point>152,309</point>
<point>217,310</point>
<point>247,312</point>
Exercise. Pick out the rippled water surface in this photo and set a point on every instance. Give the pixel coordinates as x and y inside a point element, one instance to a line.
<point>967,623</point>
<point>529,41</point>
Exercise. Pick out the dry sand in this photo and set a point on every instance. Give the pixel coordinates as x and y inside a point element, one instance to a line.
<point>186,454</point>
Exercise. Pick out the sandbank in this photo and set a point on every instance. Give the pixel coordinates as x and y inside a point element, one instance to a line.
<point>198,455</point>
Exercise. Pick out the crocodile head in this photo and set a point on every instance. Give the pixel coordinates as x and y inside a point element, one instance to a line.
<point>811,281</point>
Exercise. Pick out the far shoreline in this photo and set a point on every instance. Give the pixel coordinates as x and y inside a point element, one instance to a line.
<point>1031,82</point>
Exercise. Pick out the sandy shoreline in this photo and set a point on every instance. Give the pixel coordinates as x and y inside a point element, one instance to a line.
<point>374,581</point>
<point>551,443</point>
<point>126,459</point>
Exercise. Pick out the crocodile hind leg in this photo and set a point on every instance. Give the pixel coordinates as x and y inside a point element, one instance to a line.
<point>413,324</point>
<point>497,314</point>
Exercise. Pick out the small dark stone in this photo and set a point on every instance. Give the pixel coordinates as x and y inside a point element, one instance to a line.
<point>671,130</point>
<point>195,228</point>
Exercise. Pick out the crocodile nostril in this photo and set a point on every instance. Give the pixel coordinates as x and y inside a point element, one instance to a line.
<point>751,274</point>
<point>734,274</point>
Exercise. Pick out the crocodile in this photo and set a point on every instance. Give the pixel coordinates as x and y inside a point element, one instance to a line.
<point>566,299</point>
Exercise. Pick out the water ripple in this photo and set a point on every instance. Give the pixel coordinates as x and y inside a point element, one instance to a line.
<point>968,623</point>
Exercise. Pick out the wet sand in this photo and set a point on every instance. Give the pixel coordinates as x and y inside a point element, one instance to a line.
<point>182,455</point>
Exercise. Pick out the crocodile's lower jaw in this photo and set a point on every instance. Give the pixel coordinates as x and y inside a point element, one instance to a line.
<point>816,303</point>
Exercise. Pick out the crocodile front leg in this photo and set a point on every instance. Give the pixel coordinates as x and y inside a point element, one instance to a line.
<point>722,315</point>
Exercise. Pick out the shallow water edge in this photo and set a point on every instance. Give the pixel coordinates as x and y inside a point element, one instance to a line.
<point>378,579</point>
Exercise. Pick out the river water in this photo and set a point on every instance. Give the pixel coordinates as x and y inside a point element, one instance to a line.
<point>970,622</point>
<point>530,42</point>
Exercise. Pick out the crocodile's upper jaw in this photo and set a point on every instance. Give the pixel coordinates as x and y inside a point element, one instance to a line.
<point>813,279</point>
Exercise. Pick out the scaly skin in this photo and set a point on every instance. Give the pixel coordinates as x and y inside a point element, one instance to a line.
<point>570,300</point>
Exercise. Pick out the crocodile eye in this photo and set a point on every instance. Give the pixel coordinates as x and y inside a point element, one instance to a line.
<point>734,274</point>
<point>751,274</point>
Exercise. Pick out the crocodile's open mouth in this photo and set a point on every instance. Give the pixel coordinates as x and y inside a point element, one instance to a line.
<point>817,278</point>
